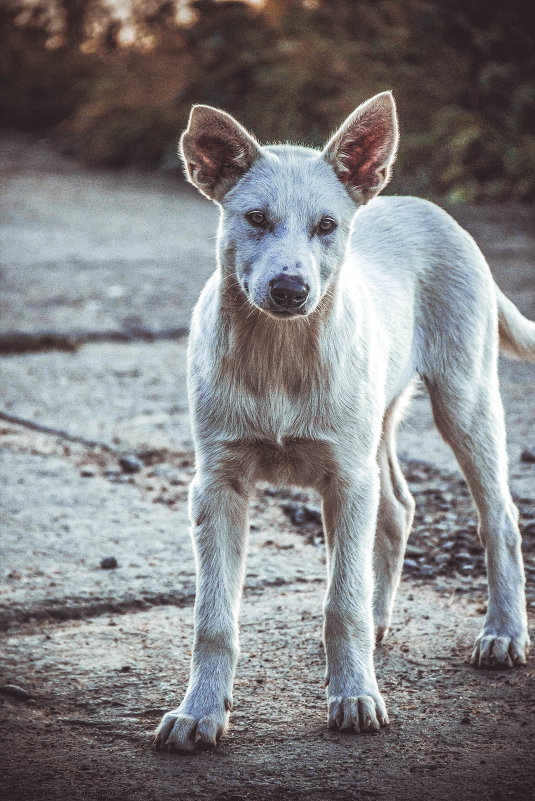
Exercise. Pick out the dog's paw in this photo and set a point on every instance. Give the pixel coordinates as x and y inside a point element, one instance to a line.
<point>185,733</point>
<point>359,713</point>
<point>381,630</point>
<point>499,652</point>
<point>382,616</point>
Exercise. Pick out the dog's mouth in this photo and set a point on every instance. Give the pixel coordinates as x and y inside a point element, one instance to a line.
<point>286,314</point>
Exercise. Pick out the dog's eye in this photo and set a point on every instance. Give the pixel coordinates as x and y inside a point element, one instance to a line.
<point>257,218</point>
<point>326,225</point>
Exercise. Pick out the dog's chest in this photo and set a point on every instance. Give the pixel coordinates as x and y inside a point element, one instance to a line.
<point>274,414</point>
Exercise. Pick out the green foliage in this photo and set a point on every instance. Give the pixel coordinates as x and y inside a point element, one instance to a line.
<point>463,73</point>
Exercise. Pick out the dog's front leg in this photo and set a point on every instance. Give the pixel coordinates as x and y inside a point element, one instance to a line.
<point>353,697</point>
<point>218,511</point>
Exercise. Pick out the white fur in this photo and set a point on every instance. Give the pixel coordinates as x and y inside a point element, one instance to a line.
<point>397,290</point>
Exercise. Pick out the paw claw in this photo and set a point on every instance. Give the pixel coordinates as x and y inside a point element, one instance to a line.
<point>492,651</point>
<point>380,633</point>
<point>207,733</point>
<point>358,714</point>
<point>179,732</point>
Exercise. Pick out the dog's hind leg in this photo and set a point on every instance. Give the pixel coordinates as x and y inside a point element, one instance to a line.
<point>468,412</point>
<point>394,522</point>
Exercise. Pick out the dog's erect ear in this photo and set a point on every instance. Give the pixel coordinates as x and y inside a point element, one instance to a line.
<point>363,150</point>
<point>216,150</point>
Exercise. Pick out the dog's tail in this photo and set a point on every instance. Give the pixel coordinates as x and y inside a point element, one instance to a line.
<point>517,333</point>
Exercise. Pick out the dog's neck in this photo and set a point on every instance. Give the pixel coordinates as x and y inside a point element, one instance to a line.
<point>266,352</point>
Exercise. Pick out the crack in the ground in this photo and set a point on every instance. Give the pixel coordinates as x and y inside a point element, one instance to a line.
<point>146,456</point>
<point>74,609</point>
<point>18,342</point>
<point>71,610</point>
<point>60,433</point>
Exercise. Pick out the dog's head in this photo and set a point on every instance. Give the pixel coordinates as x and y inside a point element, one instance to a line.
<point>287,210</point>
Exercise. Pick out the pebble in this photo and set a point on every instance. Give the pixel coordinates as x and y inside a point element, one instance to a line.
<point>426,570</point>
<point>413,550</point>
<point>88,471</point>
<point>528,455</point>
<point>130,463</point>
<point>463,556</point>
<point>466,568</point>
<point>109,563</point>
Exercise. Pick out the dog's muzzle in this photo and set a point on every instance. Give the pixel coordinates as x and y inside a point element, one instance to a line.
<point>288,293</point>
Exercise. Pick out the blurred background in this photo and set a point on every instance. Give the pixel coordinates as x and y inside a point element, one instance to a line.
<point>112,81</point>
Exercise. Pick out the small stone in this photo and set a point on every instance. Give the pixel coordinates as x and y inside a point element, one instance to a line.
<point>465,568</point>
<point>411,564</point>
<point>88,471</point>
<point>130,463</point>
<point>299,516</point>
<point>15,692</point>
<point>109,563</point>
<point>426,571</point>
<point>463,556</point>
<point>528,455</point>
<point>466,720</point>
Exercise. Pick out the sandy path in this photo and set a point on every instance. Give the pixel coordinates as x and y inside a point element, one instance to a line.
<point>102,653</point>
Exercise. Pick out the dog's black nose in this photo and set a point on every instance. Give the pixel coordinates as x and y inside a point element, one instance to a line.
<point>288,292</point>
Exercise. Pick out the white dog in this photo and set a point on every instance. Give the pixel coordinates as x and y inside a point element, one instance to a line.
<point>303,345</point>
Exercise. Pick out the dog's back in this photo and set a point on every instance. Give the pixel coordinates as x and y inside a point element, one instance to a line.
<point>431,286</point>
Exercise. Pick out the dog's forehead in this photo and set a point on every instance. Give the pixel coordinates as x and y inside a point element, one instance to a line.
<point>289,180</point>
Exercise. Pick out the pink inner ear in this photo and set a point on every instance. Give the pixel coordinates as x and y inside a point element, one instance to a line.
<point>218,157</point>
<point>360,157</point>
<point>212,151</point>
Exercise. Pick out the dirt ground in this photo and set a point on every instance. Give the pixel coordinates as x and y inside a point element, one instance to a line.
<point>98,274</point>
